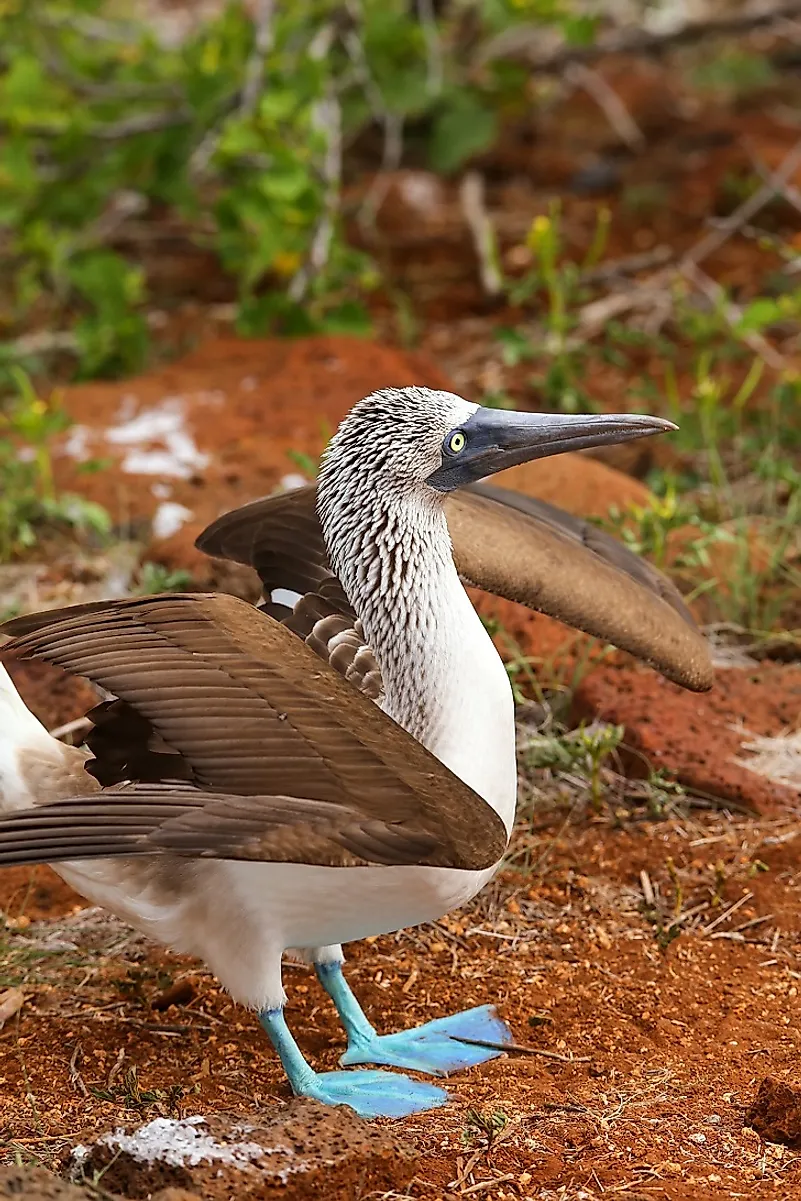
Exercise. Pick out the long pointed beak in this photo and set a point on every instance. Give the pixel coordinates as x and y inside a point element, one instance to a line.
<point>495,439</point>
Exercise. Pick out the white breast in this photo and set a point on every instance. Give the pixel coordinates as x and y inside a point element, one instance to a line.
<point>472,732</point>
<point>475,733</point>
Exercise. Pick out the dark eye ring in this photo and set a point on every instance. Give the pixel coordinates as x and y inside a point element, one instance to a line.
<point>456,442</point>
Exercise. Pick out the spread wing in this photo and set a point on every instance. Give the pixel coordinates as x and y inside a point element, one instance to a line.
<point>517,547</point>
<point>246,745</point>
<point>533,553</point>
<point>280,537</point>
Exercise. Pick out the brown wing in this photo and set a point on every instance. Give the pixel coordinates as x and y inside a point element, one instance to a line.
<point>140,819</point>
<point>535,554</point>
<point>241,708</point>
<point>512,545</point>
<point>584,533</point>
<point>280,537</point>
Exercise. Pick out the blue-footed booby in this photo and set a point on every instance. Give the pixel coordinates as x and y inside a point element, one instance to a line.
<point>289,778</point>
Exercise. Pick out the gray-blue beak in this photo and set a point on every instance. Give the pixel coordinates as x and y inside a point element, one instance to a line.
<point>494,439</point>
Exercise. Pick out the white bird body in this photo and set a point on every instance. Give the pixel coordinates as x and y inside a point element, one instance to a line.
<point>337,787</point>
<point>240,917</point>
<point>443,681</point>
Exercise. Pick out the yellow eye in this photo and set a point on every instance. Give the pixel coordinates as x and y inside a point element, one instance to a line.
<point>456,442</point>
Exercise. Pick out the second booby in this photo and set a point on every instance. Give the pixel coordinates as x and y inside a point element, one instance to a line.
<point>251,791</point>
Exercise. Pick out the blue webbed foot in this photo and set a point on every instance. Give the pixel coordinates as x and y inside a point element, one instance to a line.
<point>434,1048</point>
<point>375,1094</point>
<point>372,1094</point>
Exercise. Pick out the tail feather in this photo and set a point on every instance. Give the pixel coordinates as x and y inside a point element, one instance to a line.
<point>34,766</point>
<point>16,719</point>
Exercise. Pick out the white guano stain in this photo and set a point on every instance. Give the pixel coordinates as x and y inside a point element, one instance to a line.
<point>777,758</point>
<point>179,456</point>
<point>186,1143</point>
<point>169,518</point>
<point>77,443</point>
<point>154,440</point>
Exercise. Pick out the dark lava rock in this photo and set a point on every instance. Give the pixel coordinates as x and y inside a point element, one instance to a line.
<point>37,1184</point>
<point>703,740</point>
<point>305,1151</point>
<point>776,1112</point>
<point>600,176</point>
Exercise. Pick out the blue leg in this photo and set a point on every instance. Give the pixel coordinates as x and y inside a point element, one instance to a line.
<point>372,1094</point>
<point>433,1048</point>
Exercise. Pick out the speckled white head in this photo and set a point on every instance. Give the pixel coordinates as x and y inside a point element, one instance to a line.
<point>399,449</point>
<point>394,436</point>
<point>416,439</point>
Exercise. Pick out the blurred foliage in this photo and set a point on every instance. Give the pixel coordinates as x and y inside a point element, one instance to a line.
<point>239,130</point>
<point>29,499</point>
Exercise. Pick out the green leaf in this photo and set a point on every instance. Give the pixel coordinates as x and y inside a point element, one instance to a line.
<point>759,314</point>
<point>580,30</point>
<point>287,185</point>
<point>348,318</point>
<point>106,280</point>
<point>278,104</point>
<point>465,127</point>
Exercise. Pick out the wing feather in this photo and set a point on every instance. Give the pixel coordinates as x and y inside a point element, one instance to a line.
<point>512,545</point>
<point>243,718</point>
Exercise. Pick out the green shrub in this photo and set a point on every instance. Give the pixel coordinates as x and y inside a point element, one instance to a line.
<point>239,130</point>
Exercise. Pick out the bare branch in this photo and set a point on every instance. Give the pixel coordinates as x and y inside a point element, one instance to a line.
<point>471,195</point>
<point>245,102</point>
<point>745,211</point>
<point>630,264</point>
<point>783,188</point>
<point>128,128</point>
<point>392,123</point>
<point>609,103</point>
<point>525,41</point>
<point>733,315</point>
<point>263,43</point>
<point>94,28</point>
<point>65,341</point>
<point>143,123</point>
<point>428,21</point>
<point>326,117</point>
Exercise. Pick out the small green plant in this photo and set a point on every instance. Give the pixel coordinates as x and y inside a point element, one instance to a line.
<point>155,578</point>
<point>129,1093</point>
<point>646,529</point>
<point>645,198</point>
<point>307,464</point>
<point>662,792</point>
<point>484,1125</point>
<point>29,499</point>
<point>665,922</point>
<point>584,751</point>
<point>556,281</point>
<point>734,72</point>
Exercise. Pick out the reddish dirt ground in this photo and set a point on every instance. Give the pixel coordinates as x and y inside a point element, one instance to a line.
<point>649,964</point>
<point>653,1045</point>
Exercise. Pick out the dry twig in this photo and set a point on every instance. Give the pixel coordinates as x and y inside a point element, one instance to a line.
<point>610,104</point>
<point>11,1001</point>
<point>522,1049</point>
<point>248,98</point>
<point>471,195</point>
<point>525,41</point>
<point>327,118</point>
<point>747,896</point>
<point>71,727</point>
